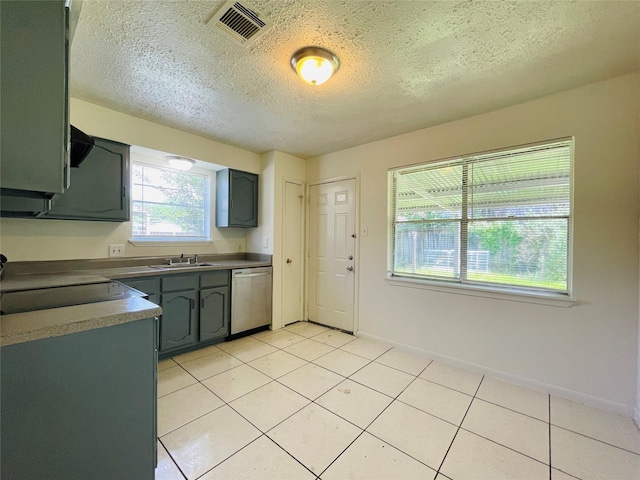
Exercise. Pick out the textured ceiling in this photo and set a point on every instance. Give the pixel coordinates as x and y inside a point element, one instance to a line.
<point>405,65</point>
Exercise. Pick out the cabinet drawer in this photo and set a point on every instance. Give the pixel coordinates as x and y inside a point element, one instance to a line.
<point>179,282</point>
<point>218,278</point>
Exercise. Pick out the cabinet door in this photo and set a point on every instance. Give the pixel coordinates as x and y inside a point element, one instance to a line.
<point>178,324</point>
<point>34,114</point>
<point>236,199</point>
<point>243,193</point>
<point>214,313</point>
<point>99,186</point>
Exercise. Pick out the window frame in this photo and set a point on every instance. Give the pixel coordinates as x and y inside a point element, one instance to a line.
<point>462,285</point>
<point>209,205</point>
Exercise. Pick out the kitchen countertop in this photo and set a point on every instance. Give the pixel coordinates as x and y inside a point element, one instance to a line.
<point>15,283</point>
<point>55,322</point>
<point>147,271</point>
<point>28,326</point>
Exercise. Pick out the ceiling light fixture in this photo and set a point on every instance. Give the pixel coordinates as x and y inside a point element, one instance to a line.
<point>314,65</point>
<point>180,163</point>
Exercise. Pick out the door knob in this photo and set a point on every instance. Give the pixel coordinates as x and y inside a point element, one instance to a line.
<point>350,268</point>
<point>289,260</point>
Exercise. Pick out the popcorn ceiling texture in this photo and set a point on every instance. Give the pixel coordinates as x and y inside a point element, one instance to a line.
<point>405,65</point>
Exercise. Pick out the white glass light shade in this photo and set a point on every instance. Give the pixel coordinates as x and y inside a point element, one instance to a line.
<point>181,163</point>
<point>314,65</point>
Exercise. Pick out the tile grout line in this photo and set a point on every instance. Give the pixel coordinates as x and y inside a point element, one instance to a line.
<point>595,439</point>
<point>549,424</point>
<point>171,458</point>
<point>458,430</point>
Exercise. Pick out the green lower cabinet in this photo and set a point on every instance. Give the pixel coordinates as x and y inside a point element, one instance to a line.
<point>214,313</point>
<point>179,323</point>
<point>195,308</point>
<point>80,406</point>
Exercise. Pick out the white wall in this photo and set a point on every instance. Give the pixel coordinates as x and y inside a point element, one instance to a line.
<point>587,352</point>
<point>276,168</point>
<point>29,239</point>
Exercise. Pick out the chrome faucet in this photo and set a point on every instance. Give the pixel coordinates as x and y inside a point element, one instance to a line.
<point>195,258</point>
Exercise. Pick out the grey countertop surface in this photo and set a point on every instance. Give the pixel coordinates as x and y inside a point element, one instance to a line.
<point>55,322</point>
<point>29,326</point>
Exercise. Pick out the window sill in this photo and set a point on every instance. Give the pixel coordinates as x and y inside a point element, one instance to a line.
<point>555,300</point>
<point>169,243</point>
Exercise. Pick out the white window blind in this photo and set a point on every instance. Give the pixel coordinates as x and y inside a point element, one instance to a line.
<point>168,204</point>
<point>500,219</point>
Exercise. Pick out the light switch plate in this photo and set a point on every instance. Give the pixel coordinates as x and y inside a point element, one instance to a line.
<point>116,250</point>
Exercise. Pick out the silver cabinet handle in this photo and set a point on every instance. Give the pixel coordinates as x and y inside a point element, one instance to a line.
<point>350,268</point>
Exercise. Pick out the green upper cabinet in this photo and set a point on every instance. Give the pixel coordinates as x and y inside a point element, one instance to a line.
<point>99,186</point>
<point>236,198</point>
<point>34,97</point>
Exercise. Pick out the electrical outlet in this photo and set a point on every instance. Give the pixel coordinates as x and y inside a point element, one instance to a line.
<point>116,250</point>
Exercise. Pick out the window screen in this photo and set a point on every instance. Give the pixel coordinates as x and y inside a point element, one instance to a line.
<point>500,219</point>
<point>169,204</point>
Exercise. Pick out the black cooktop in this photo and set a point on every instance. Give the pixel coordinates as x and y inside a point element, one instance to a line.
<point>45,298</point>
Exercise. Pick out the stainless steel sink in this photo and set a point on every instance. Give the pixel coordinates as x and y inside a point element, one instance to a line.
<point>185,265</point>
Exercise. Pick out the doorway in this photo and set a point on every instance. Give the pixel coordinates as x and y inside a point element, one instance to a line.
<point>332,250</point>
<point>293,253</point>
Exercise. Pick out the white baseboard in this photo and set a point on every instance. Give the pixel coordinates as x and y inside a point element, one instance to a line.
<point>579,397</point>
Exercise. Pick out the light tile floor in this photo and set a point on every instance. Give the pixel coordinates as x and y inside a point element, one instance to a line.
<point>307,402</point>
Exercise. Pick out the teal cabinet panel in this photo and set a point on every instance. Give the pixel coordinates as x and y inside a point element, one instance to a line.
<point>179,323</point>
<point>179,282</point>
<point>148,285</point>
<point>99,187</point>
<point>236,198</point>
<point>214,313</point>
<point>34,146</point>
<point>218,278</point>
<point>81,406</point>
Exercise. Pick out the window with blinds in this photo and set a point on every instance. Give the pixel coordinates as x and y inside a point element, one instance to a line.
<point>497,219</point>
<point>168,204</point>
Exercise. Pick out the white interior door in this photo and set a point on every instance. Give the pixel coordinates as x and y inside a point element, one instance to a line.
<point>332,242</point>
<point>292,258</point>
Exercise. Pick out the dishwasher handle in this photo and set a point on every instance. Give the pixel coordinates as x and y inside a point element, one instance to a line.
<point>245,275</point>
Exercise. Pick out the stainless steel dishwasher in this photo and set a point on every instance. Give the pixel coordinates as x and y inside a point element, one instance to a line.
<point>250,298</point>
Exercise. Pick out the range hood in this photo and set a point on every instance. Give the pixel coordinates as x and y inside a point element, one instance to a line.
<point>81,145</point>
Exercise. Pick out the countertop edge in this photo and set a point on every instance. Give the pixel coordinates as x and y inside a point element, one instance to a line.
<point>29,326</point>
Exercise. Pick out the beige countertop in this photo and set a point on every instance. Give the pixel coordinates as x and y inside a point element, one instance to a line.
<point>55,322</point>
<point>13,283</point>
<point>148,271</point>
<point>23,327</point>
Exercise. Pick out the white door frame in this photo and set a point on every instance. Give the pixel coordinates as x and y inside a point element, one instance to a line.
<point>307,266</point>
<point>283,256</point>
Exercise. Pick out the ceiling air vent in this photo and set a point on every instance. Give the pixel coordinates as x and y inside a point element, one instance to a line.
<point>239,22</point>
